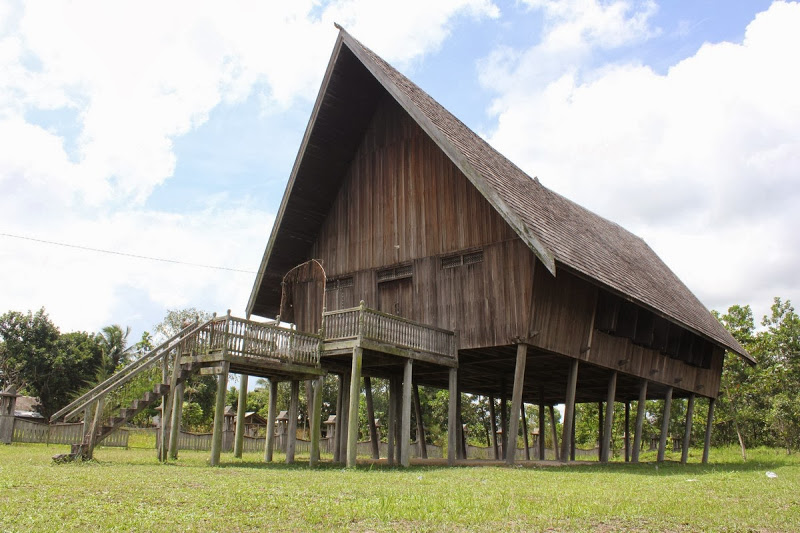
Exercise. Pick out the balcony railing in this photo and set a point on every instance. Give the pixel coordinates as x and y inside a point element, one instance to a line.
<point>381,327</point>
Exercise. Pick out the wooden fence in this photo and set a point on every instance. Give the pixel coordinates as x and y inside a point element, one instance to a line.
<point>37,432</point>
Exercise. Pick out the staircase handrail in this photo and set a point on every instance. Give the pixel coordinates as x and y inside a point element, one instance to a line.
<point>127,373</point>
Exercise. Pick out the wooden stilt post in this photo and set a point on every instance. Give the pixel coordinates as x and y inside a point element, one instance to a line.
<point>452,433</point>
<point>462,439</point>
<point>542,424</point>
<point>687,434</point>
<point>600,431</point>
<point>269,446</point>
<point>345,422</point>
<point>352,416</point>
<point>241,410</point>
<point>504,421</point>
<point>405,426</point>
<point>219,414</point>
<point>294,407</point>
<point>390,423</point>
<point>493,417</point>
<point>662,445</point>
<point>525,439</point>
<point>640,409</point>
<point>709,425</point>
<point>516,402</point>
<point>572,441</point>
<point>627,431</point>
<point>569,411</point>
<point>423,447</point>
<point>612,393</point>
<point>175,426</point>
<point>316,415</point>
<point>373,430</point>
<point>554,430</point>
<point>337,432</point>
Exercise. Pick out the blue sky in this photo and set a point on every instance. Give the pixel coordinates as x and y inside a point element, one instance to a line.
<point>169,131</point>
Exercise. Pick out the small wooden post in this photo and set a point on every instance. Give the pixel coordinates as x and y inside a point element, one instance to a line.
<point>569,411</point>
<point>662,445</point>
<point>337,430</point>
<point>627,431</point>
<point>405,426</point>
<point>8,402</point>
<point>525,433</point>
<point>709,425</point>
<point>352,416</point>
<point>241,410</point>
<point>390,422</point>
<point>640,409</point>
<point>373,431</point>
<point>452,433</point>
<point>316,416</point>
<point>344,423</point>
<point>516,403</point>
<point>175,426</point>
<point>294,407</point>
<point>493,417</point>
<point>554,430</point>
<point>687,434</point>
<point>612,392</point>
<point>269,446</point>
<point>600,431</point>
<point>423,447</point>
<point>219,414</point>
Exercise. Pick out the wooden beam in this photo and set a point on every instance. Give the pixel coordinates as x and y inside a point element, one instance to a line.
<point>554,431</point>
<point>709,424</point>
<point>294,407</point>
<point>687,433</point>
<point>390,433</point>
<point>612,393</point>
<point>662,445</point>
<point>175,426</point>
<point>337,430</point>
<point>493,417</point>
<point>423,447</point>
<point>542,431</point>
<point>525,433</point>
<point>569,411</point>
<point>405,426</point>
<point>316,419</point>
<point>219,415</point>
<point>627,431</point>
<point>373,430</point>
<point>640,409</point>
<point>271,414</point>
<point>452,434</point>
<point>241,409</point>
<point>516,402</point>
<point>352,416</point>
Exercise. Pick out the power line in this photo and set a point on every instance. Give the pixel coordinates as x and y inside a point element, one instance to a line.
<point>124,254</point>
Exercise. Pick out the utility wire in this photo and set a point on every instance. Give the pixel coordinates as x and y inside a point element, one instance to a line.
<point>113,252</point>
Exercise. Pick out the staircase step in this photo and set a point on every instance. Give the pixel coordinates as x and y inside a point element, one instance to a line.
<point>129,412</point>
<point>161,389</point>
<point>150,397</point>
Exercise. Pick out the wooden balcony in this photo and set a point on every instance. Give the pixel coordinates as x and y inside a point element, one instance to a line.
<point>382,332</point>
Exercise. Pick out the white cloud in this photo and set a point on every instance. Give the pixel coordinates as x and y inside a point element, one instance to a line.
<point>129,78</point>
<point>701,161</point>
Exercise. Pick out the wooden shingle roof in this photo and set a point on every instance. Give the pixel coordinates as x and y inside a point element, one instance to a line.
<point>560,232</point>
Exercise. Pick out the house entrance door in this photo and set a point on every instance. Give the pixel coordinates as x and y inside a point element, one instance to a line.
<point>396,297</point>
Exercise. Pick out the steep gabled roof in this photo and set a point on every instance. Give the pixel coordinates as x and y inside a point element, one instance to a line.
<point>560,232</point>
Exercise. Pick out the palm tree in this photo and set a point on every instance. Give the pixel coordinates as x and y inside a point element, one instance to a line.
<point>114,342</point>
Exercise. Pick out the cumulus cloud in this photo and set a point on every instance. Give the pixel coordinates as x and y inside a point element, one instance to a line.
<point>93,96</point>
<point>701,161</point>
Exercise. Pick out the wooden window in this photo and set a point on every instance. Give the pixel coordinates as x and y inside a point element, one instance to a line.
<point>340,283</point>
<point>398,272</point>
<point>470,258</point>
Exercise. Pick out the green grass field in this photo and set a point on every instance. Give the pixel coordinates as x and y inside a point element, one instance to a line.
<point>128,490</point>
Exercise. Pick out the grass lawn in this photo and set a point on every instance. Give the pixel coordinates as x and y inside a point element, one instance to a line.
<point>128,490</point>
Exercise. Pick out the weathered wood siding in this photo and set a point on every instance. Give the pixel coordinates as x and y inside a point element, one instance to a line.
<point>404,202</point>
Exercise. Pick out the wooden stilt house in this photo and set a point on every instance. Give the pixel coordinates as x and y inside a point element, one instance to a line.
<point>406,210</point>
